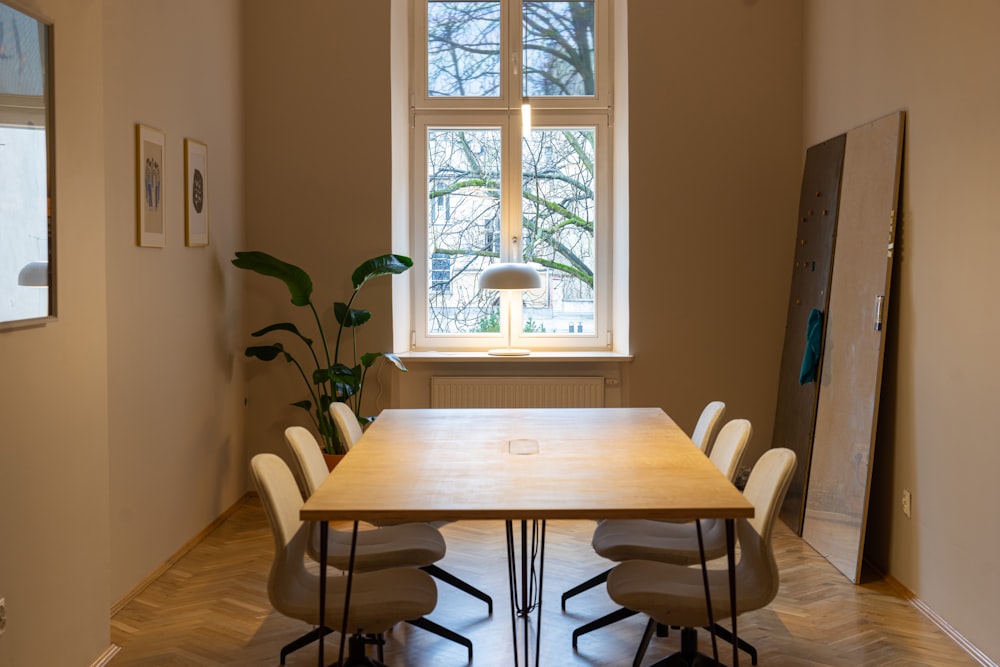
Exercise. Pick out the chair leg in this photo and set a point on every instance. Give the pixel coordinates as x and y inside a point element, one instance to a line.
<point>688,656</point>
<point>449,578</point>
<point>356,652</point>
<point>647,635</point>
<point>601,622</point>
<point>440,630</point>
<point>585,586</point>
<point>304,640</point>
<point>746,647</point>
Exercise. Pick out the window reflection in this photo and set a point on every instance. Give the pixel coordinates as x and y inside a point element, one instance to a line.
<point>25,236</point>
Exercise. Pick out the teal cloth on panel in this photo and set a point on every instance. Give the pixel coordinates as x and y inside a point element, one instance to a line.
<point>814,345</point>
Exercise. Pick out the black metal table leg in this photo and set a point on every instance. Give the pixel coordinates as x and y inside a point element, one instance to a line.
<point>708,594</point>
<point>523,603</point>
<point>731,558</point>
<point>324,534</point>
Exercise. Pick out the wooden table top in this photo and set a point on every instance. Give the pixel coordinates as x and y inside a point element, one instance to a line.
<point>450,464</point>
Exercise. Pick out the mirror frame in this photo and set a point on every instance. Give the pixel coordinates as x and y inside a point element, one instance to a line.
<point>48,101</point>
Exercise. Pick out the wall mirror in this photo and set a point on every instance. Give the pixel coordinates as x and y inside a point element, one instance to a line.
<point>27,225</point>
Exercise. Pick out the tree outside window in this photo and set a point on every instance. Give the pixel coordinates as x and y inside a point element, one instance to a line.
<point>493,195</point>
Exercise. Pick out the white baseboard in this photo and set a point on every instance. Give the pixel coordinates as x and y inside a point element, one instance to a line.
<point>105,658</point>
<point>942,624</point>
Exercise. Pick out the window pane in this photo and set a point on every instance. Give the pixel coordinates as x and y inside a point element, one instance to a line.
<point>558,207</point>
<point>463,49</point>
<point>463,228</point>
<point>558,48</point>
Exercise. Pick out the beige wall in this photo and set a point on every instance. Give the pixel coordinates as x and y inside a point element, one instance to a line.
<point>317,179</point>
<point>938,62</point>
<point>175,388</point>
<point>715,162</point>
<point>133,399</point>
<point>54,535</point>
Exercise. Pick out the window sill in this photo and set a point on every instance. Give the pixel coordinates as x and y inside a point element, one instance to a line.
<point>535,357</point>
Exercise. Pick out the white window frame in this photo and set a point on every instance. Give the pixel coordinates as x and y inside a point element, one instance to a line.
<point>504,112</point>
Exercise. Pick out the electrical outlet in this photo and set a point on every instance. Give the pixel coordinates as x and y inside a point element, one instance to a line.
<point>907,504</point>
<point>3,615</point>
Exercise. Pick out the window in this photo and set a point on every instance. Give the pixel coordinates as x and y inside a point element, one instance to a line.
<point>511,162</point>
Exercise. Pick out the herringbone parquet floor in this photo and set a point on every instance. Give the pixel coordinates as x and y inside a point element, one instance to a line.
<point>211,609</point>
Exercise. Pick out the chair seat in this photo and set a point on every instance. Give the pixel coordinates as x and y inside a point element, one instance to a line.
<point>410,544</point>
<point>669,594</point>
<point>379,600</point>
<point>641,539</point>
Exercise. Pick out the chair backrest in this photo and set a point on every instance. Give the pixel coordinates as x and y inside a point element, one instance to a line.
<point>347,424</point>
<point>727,452</point>
<point>281,499</point>
<point>308,457</point>
<point>707,422</point>
<point>378,600</point>
<point>757,571</point>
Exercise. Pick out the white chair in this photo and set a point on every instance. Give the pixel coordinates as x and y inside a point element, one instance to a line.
<point>348,428</point>
<point>418,544</point>
<point>729,446</point>
<point>704,429</point>
<point>665,541</point>
<point>378,600</point>
<point>673,595</point>
<point>402,545</point>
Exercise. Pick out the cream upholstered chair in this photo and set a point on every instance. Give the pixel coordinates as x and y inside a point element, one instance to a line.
<point>418,544</point>
<point>673,595</point>
<point>704,429</point>
<point>379,600</point>
<point>402,545</point>
<point>347,424</point>
<point>729,446</point>
<point>627,539</point>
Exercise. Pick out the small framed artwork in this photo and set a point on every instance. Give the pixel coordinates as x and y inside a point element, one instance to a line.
<point>195,193</point>
<point>150,153</point>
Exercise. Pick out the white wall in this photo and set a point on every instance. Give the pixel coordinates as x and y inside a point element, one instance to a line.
<point>937,438</point>
<point>54,533</point>
<point>175,390</point>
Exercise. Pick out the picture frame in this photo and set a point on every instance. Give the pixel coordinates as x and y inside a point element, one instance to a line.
<point>150,179</point>
<point>195,193</point>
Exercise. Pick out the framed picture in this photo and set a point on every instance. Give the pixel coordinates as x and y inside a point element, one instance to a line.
<point>150,154</point>
<point>195,193</point>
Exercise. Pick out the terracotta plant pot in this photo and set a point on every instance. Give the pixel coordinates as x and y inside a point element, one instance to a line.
<point>332,460</point>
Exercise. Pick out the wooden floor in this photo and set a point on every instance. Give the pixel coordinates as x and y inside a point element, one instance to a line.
<point>211,608</point>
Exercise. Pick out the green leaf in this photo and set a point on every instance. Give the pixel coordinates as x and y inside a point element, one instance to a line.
<point>346,381</point>
<point>282,326</point>
<point>370,358</point>
<point>396,361</point>
<point>344,390</point>
<point>383,265</point>
<point>342,373</point>
<point>354,317</point>
<point>298,281</point>
<point>305,405</point>
<point>266,352</point>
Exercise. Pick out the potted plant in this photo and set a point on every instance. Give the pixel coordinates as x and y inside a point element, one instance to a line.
<point>327,378</point>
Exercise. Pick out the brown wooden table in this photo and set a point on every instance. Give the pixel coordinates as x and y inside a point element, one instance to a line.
<point>457,464</point>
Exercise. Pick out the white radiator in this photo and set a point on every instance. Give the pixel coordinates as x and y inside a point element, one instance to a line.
<point>517,392</point>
